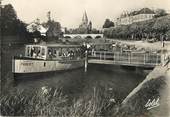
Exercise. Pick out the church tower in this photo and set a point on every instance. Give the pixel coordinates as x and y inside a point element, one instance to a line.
<point>85,19</point>
<point>85,26</point>
<point>84,23</point>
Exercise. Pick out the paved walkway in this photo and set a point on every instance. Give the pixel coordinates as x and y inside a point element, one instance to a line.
<point>144,44</point>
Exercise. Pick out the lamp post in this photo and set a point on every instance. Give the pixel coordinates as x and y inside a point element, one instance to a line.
<point>1,8</point>
<point>1,22</point>
<point>0,37</point>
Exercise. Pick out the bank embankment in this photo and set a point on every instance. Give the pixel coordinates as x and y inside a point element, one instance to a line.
<point>8,52</point>
<point>150,98</point>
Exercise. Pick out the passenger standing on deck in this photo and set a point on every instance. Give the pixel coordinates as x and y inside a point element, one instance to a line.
<point>88,46</point>
<point>83,49</point>
<point>39,54</point>
<point>50,54</point>
<point>162,40</point>
<point>32,51</point>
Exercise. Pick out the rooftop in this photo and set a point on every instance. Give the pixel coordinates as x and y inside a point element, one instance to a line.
<point>137,12</point>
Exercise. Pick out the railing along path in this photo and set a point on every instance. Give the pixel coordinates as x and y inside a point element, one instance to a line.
<point>148,59</point>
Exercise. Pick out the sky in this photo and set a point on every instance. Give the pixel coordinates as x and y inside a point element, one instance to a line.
<point>69,12</point>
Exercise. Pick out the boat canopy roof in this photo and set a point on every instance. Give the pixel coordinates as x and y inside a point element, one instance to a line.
<point>55,45</point>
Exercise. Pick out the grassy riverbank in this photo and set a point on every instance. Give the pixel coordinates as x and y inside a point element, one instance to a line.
<point>7,54</point>
<point>51,102</point>
<point>154,87</point>
<point>100,101</point>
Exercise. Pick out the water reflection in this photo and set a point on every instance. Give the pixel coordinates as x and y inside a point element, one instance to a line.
<point>76,82</point>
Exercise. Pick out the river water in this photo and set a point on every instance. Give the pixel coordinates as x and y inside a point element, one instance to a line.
<point>76,82</point>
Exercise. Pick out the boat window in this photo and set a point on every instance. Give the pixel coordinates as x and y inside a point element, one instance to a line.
<point>64,52</point>
<point>49,53</point>
<point>43,51</point>
<point>60,51</point>
<point>35,52</point>
<point>28,51</point>
<point>57,52</point>
<point>72,53</point>
<point>54,52</point>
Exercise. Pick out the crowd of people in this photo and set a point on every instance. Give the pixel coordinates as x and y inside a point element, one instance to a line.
<point>34,52</point>
<point>66,53</point>
<point>57,53</point>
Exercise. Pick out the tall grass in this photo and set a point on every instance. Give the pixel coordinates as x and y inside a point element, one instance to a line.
<point>51,102</point>
<point>98,101</point>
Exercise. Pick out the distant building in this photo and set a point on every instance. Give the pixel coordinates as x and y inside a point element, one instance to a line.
<point>36,26</point>
<point>135,16</point>
<point>85,26</point>
<point>84,23</point>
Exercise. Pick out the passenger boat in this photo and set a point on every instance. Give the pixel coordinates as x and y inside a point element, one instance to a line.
<point>42,58</point>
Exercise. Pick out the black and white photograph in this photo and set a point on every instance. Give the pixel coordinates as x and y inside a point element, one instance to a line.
<point>85,58</point>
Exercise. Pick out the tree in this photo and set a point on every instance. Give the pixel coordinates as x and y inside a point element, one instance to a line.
<point>108,24</point>
<point>168,35</point>
<point>9,13</point>
<point>160,13</point>
<point>162,24</point>
<point>36,34</point>
<point>54,30</point>
<point>67,31</point>
<point>95,31</point>
<point>11,25</point>
<point>9,19</point>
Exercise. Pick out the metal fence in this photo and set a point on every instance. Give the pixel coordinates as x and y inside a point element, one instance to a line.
<point>131,58</point>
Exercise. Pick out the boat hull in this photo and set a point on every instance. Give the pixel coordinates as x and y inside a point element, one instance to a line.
<point>29,66</point>
<point>41,75</point>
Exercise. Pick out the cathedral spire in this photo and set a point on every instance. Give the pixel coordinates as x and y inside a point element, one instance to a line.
<point>85,26</point>
<point>85,18</point>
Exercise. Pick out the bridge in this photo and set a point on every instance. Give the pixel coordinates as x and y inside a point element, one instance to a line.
<point>83,36</point>
<point>138,59</point>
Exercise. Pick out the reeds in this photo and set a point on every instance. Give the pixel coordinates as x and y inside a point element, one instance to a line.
<point>100,101</point>
<point>52,102</point>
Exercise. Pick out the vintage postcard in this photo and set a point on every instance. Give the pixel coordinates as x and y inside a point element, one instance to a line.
<point>85,58</point>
